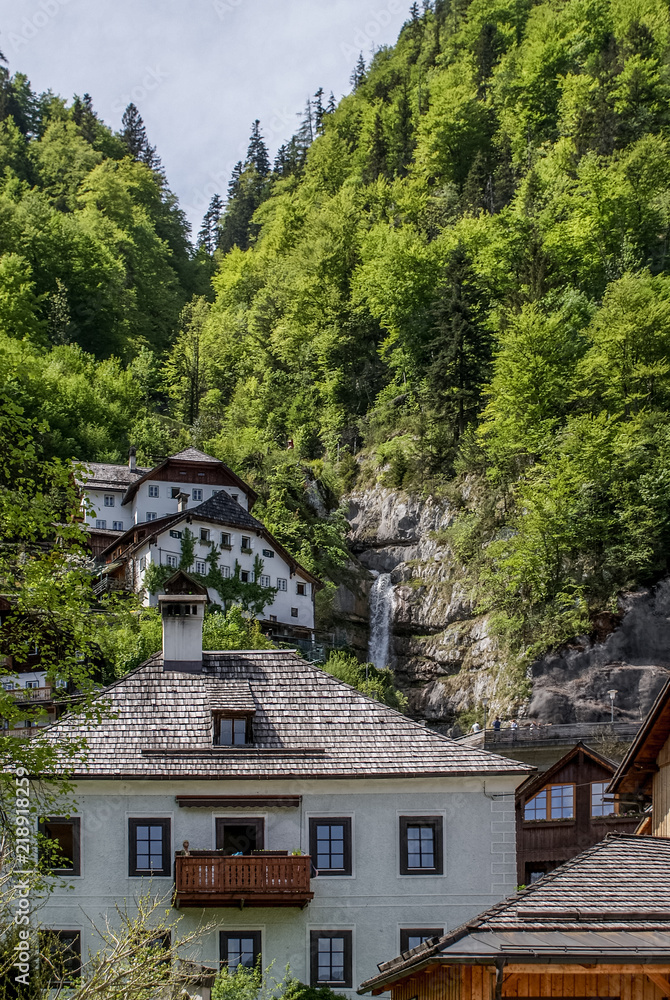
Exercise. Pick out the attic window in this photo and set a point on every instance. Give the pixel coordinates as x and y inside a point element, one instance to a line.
<point>553,802</point>
<point>232,730</point>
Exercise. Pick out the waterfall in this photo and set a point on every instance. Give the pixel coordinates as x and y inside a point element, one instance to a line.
<point>381,606</point>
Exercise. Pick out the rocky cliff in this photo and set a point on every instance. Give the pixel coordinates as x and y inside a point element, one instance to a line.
<point>443,656</point>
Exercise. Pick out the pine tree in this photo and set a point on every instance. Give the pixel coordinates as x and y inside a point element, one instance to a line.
<point>404,133</point>
<point>85,117</point>
<point>319,111</point>
<point>305,134</point>
<point>208,237</point>
<point>134,135</point>
<point>331,106</point>
<point>377,160</point>
<point>257,153</point>
<point>358,75</point>
<point>414,13</point>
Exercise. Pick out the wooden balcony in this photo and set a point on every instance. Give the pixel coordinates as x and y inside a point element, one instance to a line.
<point>32,694</point>
<point>209,878</point>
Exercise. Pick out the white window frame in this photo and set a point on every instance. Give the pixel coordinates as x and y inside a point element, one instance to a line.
<point>101,523</point>
<point>154,491</point>
<point>169,561</point>
<point>117,525</point>
<point>282,584</point>
<point>152,515</point>
<point>110,500</point>
<point>196,494</point>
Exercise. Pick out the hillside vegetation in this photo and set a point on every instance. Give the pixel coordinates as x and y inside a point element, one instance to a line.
<point>454,280</point>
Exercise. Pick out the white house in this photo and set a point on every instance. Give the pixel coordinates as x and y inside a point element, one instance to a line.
<point>240,544</point>
<point>313,825</point>
<point>119,496</point>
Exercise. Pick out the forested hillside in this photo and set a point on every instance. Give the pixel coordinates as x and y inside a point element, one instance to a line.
<point>453,281</point>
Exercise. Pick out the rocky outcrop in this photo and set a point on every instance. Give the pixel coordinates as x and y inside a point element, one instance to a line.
<point>442,653</point>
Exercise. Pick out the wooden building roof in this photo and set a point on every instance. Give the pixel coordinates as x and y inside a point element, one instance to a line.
<point>636,770</point>
<point>536,782</point>
<point>192,457</point>
<point>307,724</point>
<point>610,902</point>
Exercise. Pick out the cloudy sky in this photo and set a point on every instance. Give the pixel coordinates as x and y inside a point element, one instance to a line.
<point>200,71</point>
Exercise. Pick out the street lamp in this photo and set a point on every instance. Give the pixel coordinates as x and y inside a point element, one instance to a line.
<point>485,702</point>
<point>612,693</point>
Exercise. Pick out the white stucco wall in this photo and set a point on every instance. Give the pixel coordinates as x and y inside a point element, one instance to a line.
<point>98,511</point>
<point>374,903</point>
<point>166,548</point>
<point>164,504</point>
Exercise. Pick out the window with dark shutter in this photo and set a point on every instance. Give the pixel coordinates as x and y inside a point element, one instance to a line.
<point>330,845</point>
<point>149,847</point>
<point>421,845</point>
<point>330,958</point>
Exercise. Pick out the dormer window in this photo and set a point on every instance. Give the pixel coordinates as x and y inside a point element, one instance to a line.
<point>232,731</point>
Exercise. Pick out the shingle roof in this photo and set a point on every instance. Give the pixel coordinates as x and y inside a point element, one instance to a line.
<point>193,455</point>
<point>223,508</point>
<point>307,724</point>
<point>610,899</point>
<point>636,769</point>
<point>105,476</point>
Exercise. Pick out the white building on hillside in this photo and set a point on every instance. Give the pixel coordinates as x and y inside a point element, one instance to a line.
<point>119,496</point>
<point>314,826</point>
<point>239,544</point>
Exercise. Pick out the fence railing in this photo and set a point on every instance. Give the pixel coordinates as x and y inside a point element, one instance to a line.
<point>208,878</point>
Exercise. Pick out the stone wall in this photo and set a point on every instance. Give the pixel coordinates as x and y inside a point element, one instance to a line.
<point>442,654</point>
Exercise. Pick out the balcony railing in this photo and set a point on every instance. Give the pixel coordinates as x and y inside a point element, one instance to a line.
<point>32,694</point>
<point>209,878</point>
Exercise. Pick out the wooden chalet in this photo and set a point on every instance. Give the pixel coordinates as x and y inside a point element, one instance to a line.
<point>598,926</point>
<point>643,777</point>
<point>565,809</point>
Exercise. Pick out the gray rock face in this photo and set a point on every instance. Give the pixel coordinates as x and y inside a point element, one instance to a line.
<point>444,658</point>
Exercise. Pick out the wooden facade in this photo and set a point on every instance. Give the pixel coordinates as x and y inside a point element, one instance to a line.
<point>660,794</point>
<point>544,844</point>
<point>478,982</point>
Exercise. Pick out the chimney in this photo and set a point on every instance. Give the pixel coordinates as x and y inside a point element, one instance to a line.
<point>182,502</point>
<point>132,463</point>
<point>182,616</point>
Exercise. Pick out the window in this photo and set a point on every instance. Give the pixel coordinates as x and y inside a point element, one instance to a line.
<point>421,845</point>
<point>101,523</point>
<point>553,802</point>
<point>153,491</point>
<point>599,804</point>
<point>226,572</point>
<point>265,581</point>
<point>214,492</point>
<point>62,949</point>
<point>268,553</point>
<point>233,731</point>
<point>330,958</point>
<point>244,576</point>
<point>172,561</point>
<point>174,533</point>
<point>246,543</point>
<point>240,836</point>
<point>240,948</point>
<point>273,618</point>
<point>281,583</point>
<point>149,847</point>
<point>300,589</point>
<point>174,492</point>
<point>32,684</point>
<point>201,567</point>
<point>117,525</point>
<point>196,494</point>
<point>413,937</point>
<point>109,500</point>
<point>330,845</point>
<point>63,852</point>
<point>143,564</point>
<point>151,515</point>
<point>235,496</point>
<point>294,612</point>
<point>225,539</point>
<point>204,534</point>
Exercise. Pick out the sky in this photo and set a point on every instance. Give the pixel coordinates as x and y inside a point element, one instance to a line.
<point>200,71</point>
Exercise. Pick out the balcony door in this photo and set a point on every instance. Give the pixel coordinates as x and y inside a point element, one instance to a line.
<point>240,836</point>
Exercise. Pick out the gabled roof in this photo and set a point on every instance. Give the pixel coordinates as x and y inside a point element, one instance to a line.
<point>612,900</point>
<point>307,724</point>
<point>639,764</point>
<point>113,477</point>
<point>219,509</point>
<point>197,457</point>
<point>537,782</point>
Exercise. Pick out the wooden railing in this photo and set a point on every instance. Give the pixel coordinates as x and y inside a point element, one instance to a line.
<point>211,879</point>
<point>32,694</point>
